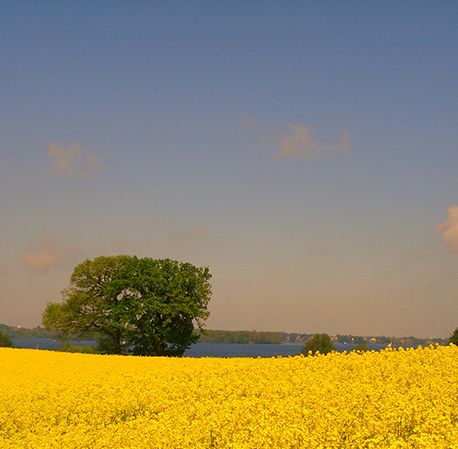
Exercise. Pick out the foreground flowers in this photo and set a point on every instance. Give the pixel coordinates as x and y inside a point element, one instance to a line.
<point>391,399</point>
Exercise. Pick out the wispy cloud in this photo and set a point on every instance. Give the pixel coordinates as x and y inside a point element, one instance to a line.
<point>3,273</point>
<point>246,123</point>
<point>449,228</point>
<point>297,140</point>
<point>199,232</point>
<point>47,253</point>
<point>73,161</point>
<point>344,143</point>
<point>189,236</point>
<point>120,246</point>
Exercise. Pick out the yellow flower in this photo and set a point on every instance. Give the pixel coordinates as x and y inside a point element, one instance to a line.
<point>389,399</point>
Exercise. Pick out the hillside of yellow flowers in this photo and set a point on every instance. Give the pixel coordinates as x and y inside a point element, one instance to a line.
<point>389,399</point>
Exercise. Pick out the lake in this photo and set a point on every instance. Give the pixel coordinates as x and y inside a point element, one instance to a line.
<point>200,349</point>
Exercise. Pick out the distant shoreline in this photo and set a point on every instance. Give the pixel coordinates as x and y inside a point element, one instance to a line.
<point>264,350</point>
<point>244,337</point>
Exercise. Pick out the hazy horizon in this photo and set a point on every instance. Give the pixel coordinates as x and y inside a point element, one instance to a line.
<point>307,154</point>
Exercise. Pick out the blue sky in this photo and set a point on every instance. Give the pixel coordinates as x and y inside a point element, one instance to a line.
<point>306,152</point>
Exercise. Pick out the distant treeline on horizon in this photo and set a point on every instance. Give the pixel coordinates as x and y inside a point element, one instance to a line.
<point>241,336</point>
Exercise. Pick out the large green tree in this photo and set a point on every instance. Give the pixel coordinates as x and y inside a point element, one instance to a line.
<point>139,305</point>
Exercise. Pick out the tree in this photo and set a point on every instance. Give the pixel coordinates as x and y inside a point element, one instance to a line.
<point>5,341</point>
<point>136,305</point>
<point>318,343</point>
<point>454,337</point>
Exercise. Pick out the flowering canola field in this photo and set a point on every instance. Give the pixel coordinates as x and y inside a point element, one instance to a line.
<point>391,399</point>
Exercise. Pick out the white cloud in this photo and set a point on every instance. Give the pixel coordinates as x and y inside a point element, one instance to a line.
<point>449,228</point>
<point>46,254</point>
<point>73,161</point>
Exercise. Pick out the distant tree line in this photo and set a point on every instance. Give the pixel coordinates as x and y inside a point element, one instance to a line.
<point>242,336</point>
<point>41,332</point>
<point>255,337</point>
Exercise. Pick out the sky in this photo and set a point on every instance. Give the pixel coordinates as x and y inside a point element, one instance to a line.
<point>306,152</point>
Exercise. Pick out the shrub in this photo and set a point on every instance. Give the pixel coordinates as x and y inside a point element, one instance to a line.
<point>318,343</point>
<point>361,347</point>
<point>5,341</point>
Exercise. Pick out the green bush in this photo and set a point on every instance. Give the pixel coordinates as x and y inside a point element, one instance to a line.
<point>361,347</point>
<point>5,341</point>
<point>318,343</point>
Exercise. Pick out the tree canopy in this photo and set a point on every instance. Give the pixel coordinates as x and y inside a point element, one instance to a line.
<point>136,305</point>
<point>454,337</point>
<point>5,341</point>
<point>321,343</point>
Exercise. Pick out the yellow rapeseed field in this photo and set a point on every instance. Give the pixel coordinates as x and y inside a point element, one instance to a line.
<point>391,399</point>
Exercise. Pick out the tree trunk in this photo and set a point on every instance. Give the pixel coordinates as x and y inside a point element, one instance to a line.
<point>116,338</point>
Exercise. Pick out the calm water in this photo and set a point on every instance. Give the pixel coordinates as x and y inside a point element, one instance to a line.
<point>198,349</point>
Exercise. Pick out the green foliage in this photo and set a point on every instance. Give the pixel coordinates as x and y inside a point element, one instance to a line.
<point>5,341</point>
<point>69,347</point>
<point>318,343</point>
<point>144,306</point>
<point>361,347</point>
<point>454,337</point>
